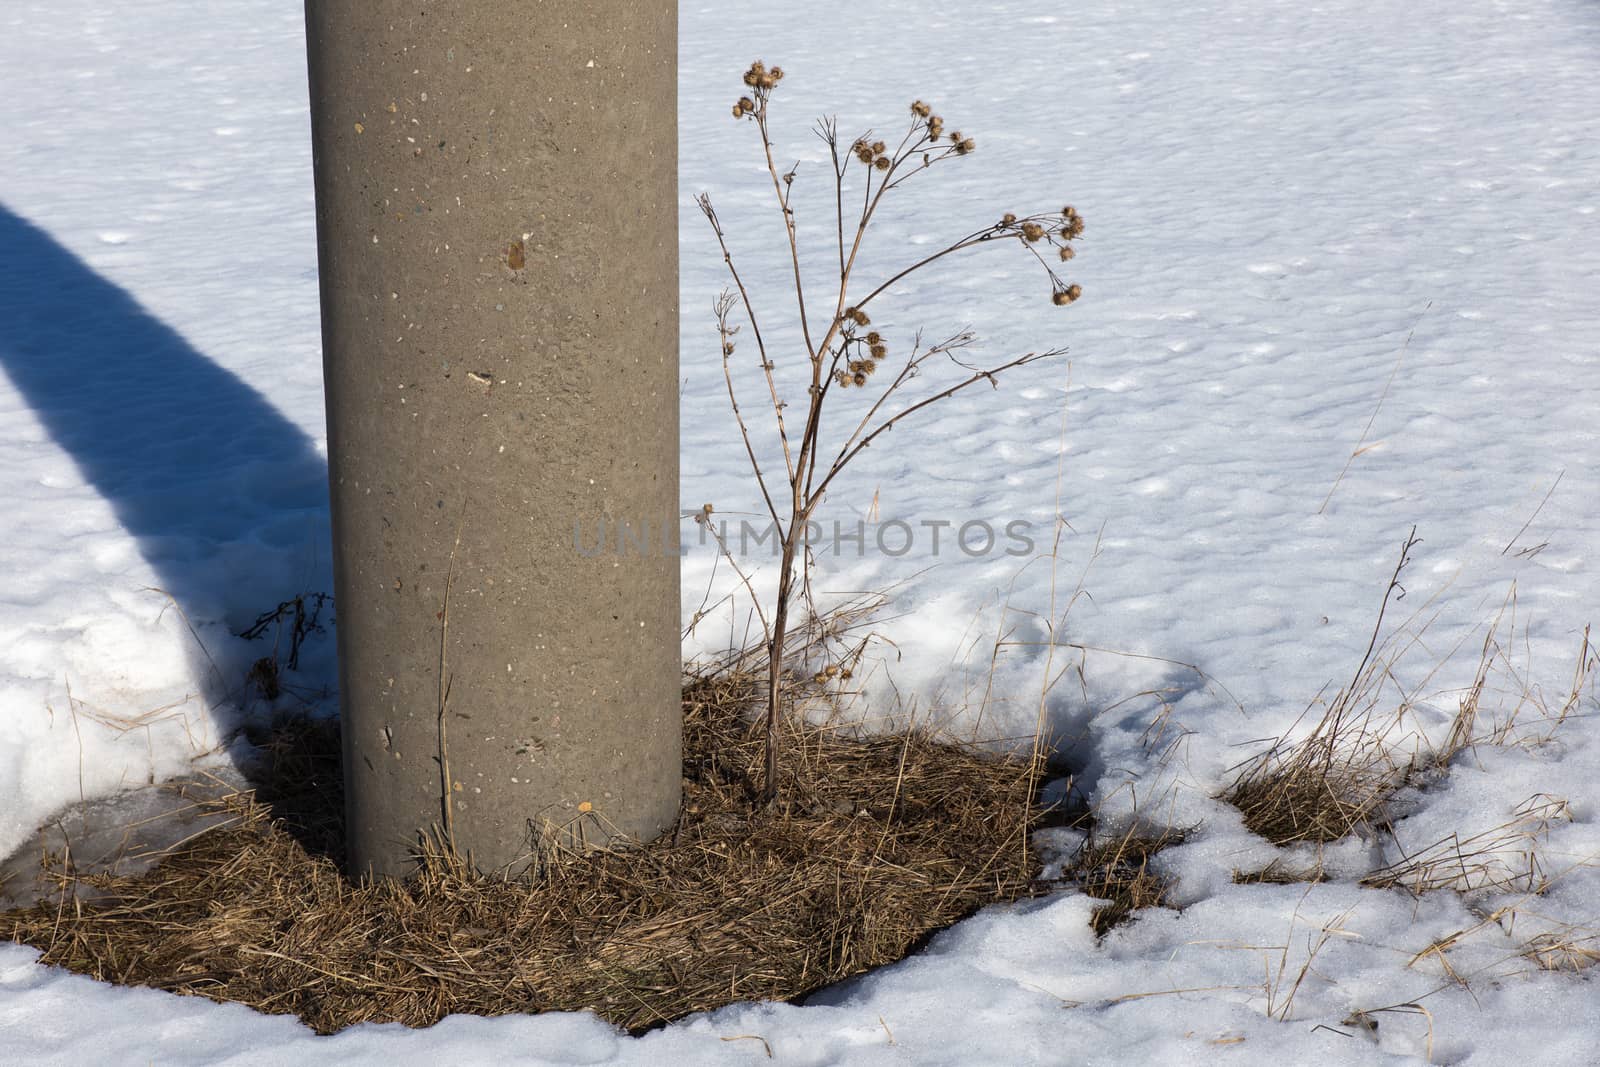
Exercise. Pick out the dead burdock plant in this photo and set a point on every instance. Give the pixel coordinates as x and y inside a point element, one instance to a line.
<point>875,843</point>
<point>843,353</point>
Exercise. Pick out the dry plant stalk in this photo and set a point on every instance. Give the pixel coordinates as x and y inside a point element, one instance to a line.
<point>1282,983</point>
<point>842,352</point>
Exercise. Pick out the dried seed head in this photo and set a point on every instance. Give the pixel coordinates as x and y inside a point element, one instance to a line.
<point>1063,297</point>
<point>1067,252</point>
<point>1032,231</point>
<point>955,136</point>
<point>967,145</point>
<point>777,74</point>
<point>1007,219</point>
<point>859,316</point>
<point>882,163</point>
<point>879,351</point>
<point>874,338</point>
<point>921,110</point>
<point>738,112</point>
<point>935,127</point>
<point>863,153</point>
<point>879,148</point>
<point>843,378</point>
<point>859,378</point>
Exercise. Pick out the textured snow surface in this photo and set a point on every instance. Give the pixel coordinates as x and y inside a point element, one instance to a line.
<point>1300,218</point>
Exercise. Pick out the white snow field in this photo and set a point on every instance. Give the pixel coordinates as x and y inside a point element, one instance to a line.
<point>1312,230</point>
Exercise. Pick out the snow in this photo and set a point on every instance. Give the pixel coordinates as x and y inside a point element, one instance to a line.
<point>1300,218</point>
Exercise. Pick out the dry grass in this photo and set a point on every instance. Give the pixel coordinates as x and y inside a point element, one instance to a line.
<point>877,842</point>
<point>1118,870</point>
<point>1504,858</point>
<point>1568,947</point>
<point>1338,777</point>
<point>1281,872</point>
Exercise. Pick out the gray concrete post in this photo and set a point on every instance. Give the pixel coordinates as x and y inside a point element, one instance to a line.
<point>497,231</point>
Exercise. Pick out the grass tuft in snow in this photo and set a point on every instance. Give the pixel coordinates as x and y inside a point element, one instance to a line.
<point>1119,870</point>
<point>1339,777</point>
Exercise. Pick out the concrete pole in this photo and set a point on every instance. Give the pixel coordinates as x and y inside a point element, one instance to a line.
<point>497,232</point>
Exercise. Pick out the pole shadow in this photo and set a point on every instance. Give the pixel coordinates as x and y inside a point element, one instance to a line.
<point>226,498</point>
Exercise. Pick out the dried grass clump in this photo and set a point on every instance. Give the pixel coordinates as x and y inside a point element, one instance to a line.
<point>1118,870</point>
<point>877,842</point>
<point>1339,777</point>
<point>1566,948</point>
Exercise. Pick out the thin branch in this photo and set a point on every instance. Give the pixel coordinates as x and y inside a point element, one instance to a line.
<point>755,327</point>
<point>788,223</point>
<point>981,376</point>
<point>723,305</point>
<point>1535,515</point>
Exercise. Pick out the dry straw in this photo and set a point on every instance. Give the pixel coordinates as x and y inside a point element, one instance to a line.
<point>877,842</point>
<point>1338,777</point>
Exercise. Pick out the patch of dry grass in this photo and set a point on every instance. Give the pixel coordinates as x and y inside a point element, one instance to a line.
<point>1281,872</point>
<point>1118,869</point>
<point>875,842</point>
<point>1567,947</point>
<point>1338,778</point>
<point>1504,858</point>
